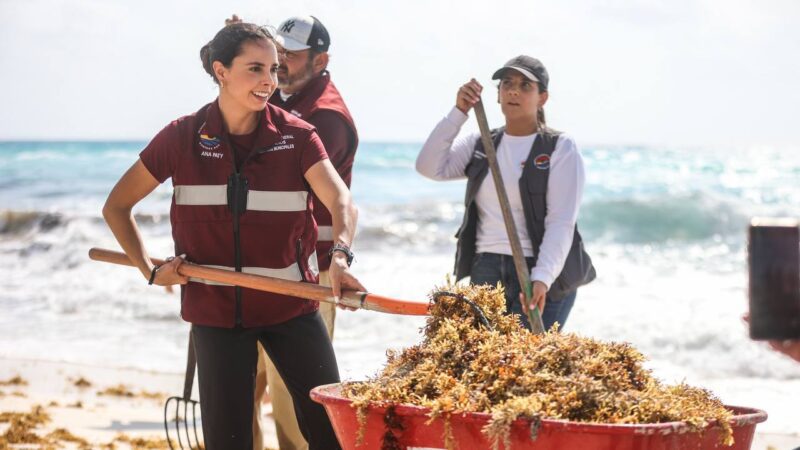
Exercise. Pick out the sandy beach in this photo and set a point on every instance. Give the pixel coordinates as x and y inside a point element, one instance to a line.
<point>681,114</point>
<point>100,413</point>
<point>124,407</point>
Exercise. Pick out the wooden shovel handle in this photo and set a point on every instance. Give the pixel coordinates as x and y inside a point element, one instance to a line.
<point>353,299</point>
<point>534,315</point>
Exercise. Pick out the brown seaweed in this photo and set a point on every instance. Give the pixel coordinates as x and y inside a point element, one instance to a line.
<point>510,373</point>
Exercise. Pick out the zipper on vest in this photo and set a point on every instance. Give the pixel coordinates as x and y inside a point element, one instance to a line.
<point>238,261</point>
<point>237,204</point>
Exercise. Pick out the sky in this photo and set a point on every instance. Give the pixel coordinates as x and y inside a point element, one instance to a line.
<point>690,73</point>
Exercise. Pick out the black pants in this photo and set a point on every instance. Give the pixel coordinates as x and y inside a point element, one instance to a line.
<point>227,360</point>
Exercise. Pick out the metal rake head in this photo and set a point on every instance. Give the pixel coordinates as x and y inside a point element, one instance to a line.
<point>181,408</point>
<point>181,422</point>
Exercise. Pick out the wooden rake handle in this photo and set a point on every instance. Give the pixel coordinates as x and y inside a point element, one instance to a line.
<point>534,315</point>
<point>353,299</point>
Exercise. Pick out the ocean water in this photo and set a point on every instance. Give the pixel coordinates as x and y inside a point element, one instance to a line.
<point>665,226</point>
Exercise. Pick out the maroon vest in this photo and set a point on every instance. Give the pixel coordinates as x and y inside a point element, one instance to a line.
<point>273,233</point>
<point>321,94</point>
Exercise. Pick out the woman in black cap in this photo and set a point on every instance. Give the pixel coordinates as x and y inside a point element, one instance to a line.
<point>543,174</point>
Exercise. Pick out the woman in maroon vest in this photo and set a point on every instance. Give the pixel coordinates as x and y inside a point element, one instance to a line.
<point>242,173</point>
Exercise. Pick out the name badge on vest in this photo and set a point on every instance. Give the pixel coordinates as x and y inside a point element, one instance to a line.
<point>209,144</point>
<point>542,162</point>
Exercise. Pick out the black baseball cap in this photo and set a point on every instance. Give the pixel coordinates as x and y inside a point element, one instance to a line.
<point>530,68</point>
<point>301,33</point>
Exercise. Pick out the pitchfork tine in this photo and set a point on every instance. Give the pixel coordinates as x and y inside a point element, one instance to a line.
<point>191,362</point>
<point>178,423</point>
<point>186,424</point>
<point>166,422</point>
<point>174,419</point>
<point>194,423</point>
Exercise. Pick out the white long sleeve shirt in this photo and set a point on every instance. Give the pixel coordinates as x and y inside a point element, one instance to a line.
<point>443,157</point>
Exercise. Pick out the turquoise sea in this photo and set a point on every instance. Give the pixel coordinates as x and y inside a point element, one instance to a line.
<point>666,227</point>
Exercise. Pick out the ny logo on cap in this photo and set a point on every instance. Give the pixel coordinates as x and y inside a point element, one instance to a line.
<point>287,27</point>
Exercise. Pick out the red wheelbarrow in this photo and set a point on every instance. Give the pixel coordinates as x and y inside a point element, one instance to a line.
<point>417,433</point>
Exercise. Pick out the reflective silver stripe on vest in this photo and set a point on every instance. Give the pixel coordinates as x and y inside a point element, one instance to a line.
<point>313,265</point>
<point>291,273</point>
<point>201,195</point>
<point>324,233</point>
<point>211,195</point>
<point>277,200</point>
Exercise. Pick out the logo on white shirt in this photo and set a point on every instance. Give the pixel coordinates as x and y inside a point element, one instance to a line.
<point>542,162</point>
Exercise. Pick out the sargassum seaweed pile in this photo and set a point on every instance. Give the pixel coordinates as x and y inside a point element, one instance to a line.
<point>510,373</point>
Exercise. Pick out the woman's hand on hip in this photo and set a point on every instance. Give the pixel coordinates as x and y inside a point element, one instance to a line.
<point>341,278</point>
<point>468,95</point>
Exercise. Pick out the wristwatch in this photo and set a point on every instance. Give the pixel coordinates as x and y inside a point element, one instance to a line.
<point>338,247</point>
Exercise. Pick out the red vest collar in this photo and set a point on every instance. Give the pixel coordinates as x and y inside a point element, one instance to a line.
<point>319,93</point>
<point>302,103</point>
<point>268,133</point>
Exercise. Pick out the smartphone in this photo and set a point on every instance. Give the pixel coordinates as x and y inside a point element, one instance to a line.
<point>774,263</point>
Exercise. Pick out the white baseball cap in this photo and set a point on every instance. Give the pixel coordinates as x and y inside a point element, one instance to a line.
<point>301,33</point>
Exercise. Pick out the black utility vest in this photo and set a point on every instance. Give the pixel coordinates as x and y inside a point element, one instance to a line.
<point>578,269</point>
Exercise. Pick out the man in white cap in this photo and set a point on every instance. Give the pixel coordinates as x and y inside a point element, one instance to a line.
<point>305,89</point>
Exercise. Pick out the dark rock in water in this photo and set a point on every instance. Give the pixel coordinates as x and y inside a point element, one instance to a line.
<point>15,221</point>
<point>50,221</point>
<point>36,247</point>
<point>19,222</point>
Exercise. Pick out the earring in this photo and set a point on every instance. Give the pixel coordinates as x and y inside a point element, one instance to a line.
<point>221,85</point>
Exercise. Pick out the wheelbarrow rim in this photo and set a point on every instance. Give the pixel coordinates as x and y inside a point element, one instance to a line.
<point>331,394</point>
